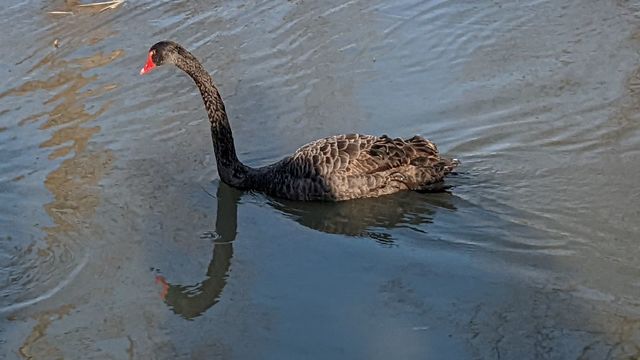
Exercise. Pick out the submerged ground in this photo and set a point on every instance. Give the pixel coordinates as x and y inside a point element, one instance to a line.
<point>117,240</point>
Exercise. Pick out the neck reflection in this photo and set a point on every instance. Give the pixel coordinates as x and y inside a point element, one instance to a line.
<point>191,301</point>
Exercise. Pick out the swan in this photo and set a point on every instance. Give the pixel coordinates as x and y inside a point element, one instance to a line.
<point>334,168</point>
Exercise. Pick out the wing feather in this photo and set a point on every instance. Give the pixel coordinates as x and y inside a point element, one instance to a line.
<point>356,154</point>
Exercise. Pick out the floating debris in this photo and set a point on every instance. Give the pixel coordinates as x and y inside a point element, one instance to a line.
<point>96,6</point>
<point>420,328</point>
<point>107,4</point>
<point>56,43</point>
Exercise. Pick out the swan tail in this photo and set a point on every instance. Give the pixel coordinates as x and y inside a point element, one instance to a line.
<point>450,165</point>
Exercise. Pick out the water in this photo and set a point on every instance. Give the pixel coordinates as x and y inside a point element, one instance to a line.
<point>117,240</point>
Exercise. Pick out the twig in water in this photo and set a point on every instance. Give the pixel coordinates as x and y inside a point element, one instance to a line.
<point>205,190</point>
<point>107,5</point>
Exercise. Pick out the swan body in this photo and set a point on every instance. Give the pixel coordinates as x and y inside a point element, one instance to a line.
<point>335,168</point>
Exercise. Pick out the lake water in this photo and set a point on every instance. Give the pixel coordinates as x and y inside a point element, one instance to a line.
<point>118,241</point>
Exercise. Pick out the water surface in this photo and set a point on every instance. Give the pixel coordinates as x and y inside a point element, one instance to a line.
<point>118,241</point>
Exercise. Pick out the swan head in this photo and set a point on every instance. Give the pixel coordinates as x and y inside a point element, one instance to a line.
<point>163,52</point>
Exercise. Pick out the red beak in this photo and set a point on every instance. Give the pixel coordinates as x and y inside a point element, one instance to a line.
<point>165,286</point>
<point>148,66</point>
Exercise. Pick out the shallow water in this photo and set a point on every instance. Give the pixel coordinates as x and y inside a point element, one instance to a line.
<point>117,240</point>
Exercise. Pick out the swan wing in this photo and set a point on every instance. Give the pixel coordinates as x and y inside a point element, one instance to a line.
<point>355,154</point>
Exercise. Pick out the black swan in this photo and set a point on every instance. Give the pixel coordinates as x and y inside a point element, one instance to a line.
<point>335,168</point>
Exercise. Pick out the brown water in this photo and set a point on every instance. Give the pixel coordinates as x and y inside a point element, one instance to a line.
<point>118,241</point>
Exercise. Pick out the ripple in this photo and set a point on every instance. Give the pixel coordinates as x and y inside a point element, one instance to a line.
<point>539,100</point>
<point>52,112</point>
<point>30,277</point>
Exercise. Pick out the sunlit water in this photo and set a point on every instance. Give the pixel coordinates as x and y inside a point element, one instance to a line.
<point>117,240</point>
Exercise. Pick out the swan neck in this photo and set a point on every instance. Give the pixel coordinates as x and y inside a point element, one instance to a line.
<point>231,170</point>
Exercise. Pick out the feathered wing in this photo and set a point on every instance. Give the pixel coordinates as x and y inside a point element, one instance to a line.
<point>350,166</point>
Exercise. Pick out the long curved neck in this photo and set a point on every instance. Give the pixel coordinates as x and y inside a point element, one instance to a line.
<point>231,170</point>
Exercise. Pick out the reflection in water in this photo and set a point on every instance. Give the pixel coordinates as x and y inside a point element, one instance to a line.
<point>538,259</point>
<point>44,320</point>
<point>73,183</point>
<point>190,301</point>
<point>363,217</point>
<point>367,217</point>
<point>70,104</point>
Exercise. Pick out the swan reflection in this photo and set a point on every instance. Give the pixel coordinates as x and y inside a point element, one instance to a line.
<point>190,301</point>
<point>369,218</point>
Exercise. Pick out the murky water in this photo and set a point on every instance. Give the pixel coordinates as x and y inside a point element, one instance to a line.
<point>117,240</point>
